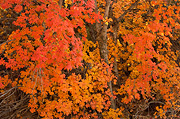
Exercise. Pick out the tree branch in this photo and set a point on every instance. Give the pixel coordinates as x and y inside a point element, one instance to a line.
<point>130,8</point>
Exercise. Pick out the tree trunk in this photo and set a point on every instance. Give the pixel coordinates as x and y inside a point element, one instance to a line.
<point>102,40</point>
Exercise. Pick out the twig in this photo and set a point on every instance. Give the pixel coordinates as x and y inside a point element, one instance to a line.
<point>6,42</point>
<point>7,92</point>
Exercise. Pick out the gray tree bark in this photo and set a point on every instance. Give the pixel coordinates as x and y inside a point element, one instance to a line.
<point>102,41</point>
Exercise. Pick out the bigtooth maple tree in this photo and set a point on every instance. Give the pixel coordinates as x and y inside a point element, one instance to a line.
<point>48,43</point>
<point>70,54</point>
<point>146,61</point>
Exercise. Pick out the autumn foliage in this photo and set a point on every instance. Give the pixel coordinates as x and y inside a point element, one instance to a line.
<point>91,58</point>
